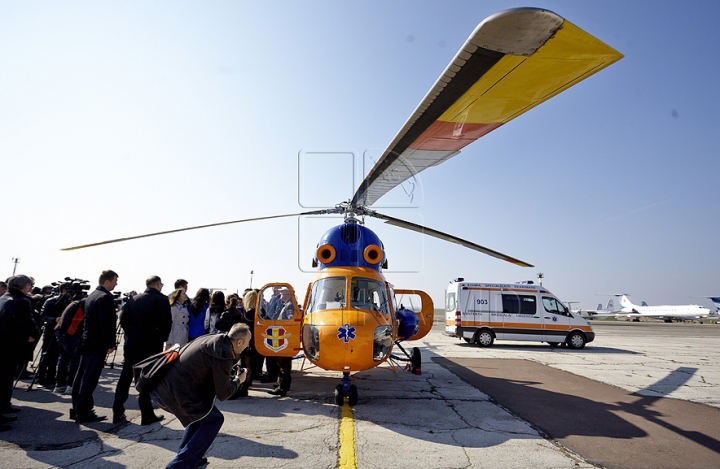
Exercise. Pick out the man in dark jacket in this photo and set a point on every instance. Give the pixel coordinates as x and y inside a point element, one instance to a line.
<point>146,320</point>
<point>49,313</point>
<point>203,371</point>
<point>17,329</point>
<point>98,340</point>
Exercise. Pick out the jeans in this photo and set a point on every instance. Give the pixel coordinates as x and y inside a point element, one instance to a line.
<point>196,440</point>
<point>86,381</point>
<point>69,358</point>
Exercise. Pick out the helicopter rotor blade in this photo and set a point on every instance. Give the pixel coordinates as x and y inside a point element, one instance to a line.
<point>447,237</point>
<point>512,62</point>
<point>315,212</point>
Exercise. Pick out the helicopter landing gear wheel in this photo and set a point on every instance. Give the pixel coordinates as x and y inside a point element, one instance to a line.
<point>416,361</point>
<point>339,398</point>
<point>353,396</point>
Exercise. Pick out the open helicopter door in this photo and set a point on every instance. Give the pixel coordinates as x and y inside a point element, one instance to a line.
<point>422,305</point>
<point>277,321</point>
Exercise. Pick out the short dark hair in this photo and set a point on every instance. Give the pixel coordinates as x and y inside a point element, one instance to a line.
<point>152,280</point>
<point>107,275</point>
<point>181,282</point>
<point>18,282</point>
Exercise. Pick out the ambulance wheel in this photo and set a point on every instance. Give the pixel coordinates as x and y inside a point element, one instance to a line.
<point>339,398</point>
<point>353,395</point>
<point>484,338</point>
<point>576,340</point>
<point>416,361</point>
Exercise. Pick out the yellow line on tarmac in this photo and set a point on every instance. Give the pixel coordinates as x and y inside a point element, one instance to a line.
<point>348,460</point>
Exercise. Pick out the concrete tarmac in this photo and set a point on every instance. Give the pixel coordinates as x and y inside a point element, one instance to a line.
<point>437,419</point>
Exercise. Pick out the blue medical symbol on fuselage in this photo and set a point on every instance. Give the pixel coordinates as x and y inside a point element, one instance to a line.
<point>346,333</point>
<point>554,318</point>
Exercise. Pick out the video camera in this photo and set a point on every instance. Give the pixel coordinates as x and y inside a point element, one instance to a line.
<point>120,298</point>
<point>75,288</point>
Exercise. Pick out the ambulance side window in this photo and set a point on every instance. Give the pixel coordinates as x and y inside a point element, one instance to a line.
<point>519,304</point>
<point>552,305</point>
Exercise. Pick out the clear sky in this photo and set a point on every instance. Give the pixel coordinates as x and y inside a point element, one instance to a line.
<point>122,118</point>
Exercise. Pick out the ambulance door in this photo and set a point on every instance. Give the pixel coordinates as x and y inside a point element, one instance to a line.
<point>522,318</point>
<point>277,322</point>
<point>556,320</point>
<point>494,316</point>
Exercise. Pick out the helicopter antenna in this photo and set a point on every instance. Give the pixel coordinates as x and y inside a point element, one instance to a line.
<point>15,262</point>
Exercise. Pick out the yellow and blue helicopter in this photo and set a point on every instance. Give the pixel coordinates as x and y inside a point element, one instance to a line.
<point>349,321</point>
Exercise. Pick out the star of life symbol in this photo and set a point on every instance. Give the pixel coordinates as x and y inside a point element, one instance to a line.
<point>276,338</point>
<point>554,318</point>
<point>346,333</point>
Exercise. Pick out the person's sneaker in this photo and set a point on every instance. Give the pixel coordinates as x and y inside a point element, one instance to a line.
<point>88,418</point>
<point>151,420</point>
<point>72,414</point>
<point>202,462</point>
<point>59,389</point>
<point>278,392</point>
<point>68,391</point>
<point>119,418</point>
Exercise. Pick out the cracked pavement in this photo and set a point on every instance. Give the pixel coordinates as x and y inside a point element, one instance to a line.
<point>401,421</point>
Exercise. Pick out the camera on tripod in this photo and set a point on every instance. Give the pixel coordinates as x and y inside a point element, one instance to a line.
<point>75,288</point>
<point>120,298</point>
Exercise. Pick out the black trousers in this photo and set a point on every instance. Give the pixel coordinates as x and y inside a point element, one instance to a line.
<point>284,369</point>
<point>86,381</point>
<point>122,390</point>
<point>8,366</point>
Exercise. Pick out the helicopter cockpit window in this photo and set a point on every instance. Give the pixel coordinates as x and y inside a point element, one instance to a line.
<point>368,294</point>
<point>327,293</point>
<point>552,305</point>
<point>277,303</point>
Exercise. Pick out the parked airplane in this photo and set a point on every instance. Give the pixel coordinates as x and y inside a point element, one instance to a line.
<point>715,314</point>
<point>600,312</point>
<point>665,312</point>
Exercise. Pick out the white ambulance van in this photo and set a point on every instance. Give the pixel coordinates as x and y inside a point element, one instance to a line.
<point>480,313</point>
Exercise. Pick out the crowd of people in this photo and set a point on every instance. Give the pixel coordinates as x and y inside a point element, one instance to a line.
<point>80,331</point>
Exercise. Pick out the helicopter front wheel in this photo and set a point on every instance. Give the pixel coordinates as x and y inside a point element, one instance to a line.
<point>416,361</point>
<point>346,389</point>
<point>339,398</point>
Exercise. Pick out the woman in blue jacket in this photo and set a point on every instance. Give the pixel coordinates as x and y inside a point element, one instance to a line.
<point>198,309</point>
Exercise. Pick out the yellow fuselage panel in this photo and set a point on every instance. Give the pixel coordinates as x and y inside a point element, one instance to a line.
<point>346,335</point>
<point>346,345</point>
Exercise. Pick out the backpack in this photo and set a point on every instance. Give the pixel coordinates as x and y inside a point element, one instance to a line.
<point>71,320</point>
<point>150,371</point>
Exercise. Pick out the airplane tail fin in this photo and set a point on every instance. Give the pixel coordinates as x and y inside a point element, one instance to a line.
<point>716,301</point>
<point>643,304</point>
<point>625,302</point>
<point>611,305</point>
